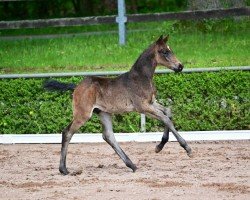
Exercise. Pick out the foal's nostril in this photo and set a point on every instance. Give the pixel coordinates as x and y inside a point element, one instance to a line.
<point>180,67</point>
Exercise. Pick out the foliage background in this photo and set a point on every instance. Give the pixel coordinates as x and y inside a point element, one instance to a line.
<point>200,101</point>
<point>76,8</point>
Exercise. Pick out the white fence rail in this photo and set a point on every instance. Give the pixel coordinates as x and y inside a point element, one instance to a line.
<point>112,73</point>
<point>125,137</point>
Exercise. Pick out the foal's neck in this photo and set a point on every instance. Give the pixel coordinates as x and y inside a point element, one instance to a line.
<point>145,65</point>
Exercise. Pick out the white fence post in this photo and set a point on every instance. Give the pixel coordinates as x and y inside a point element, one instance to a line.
<point>143,123</point>
<point>121,20</point>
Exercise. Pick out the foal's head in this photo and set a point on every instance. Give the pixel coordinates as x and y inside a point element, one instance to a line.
<point>165,56</point>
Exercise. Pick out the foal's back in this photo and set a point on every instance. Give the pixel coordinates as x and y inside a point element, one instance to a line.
<point>107,94</point>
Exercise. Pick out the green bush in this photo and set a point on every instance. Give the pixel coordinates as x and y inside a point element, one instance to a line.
<point>207,101</point>
<point>199,101</point>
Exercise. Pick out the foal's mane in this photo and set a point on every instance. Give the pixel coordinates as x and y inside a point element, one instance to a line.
<point>144,63</point>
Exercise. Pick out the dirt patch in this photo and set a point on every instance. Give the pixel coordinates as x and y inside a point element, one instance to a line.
<point>229,187</point>
<point>218,170</point>
<point>162,184</point>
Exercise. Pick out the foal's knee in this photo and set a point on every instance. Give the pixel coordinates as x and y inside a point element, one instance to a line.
<point>168,112</point>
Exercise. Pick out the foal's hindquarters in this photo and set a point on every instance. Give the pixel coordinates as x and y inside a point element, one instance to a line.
<point>83,104</point>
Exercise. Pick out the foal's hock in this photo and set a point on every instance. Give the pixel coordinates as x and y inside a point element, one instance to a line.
<point>131,91</point>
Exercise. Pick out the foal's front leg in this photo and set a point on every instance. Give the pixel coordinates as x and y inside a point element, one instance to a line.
<point>154,111</point>
<point>165,136</point>
<point>164,140</point>
<point>108,136</point>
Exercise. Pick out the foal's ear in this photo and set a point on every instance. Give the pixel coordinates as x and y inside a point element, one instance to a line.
<point>159,40</point>
<point>166,38</point>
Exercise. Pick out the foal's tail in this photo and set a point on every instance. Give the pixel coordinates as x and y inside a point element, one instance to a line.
<point>53,85</point>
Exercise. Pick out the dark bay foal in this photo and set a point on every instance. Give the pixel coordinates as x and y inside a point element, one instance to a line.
<point>131,91</point>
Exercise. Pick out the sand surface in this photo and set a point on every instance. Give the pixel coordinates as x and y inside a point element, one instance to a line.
<point>218,170</point>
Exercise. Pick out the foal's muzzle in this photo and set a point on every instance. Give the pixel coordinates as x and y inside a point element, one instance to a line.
<point>179,68</point>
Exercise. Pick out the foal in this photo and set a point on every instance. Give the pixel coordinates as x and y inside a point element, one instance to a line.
<point>131,91</point>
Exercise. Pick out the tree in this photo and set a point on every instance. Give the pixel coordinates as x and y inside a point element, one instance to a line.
<point>83,7</point>
<point>203,4</point>
<point>214,4</point>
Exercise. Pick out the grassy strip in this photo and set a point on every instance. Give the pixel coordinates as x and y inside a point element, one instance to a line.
<point>196,45</point>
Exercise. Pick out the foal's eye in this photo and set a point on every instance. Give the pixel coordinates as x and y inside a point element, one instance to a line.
<point>164,51</point>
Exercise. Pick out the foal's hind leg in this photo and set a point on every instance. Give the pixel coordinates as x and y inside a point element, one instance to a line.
<point>108,136</point>
<point>83,105</point>
<point>67,134</point>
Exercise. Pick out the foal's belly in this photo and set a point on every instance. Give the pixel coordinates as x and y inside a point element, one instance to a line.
<point>115,105</point>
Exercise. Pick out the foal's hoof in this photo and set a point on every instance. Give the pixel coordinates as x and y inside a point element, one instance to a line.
<point>63,171</point>
<point>189,152</point>
<point>131,165</point>
<point>190,155</point>
<point>134,168</point>
<point>157,149</point>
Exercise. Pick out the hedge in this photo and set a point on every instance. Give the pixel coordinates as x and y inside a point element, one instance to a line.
<point>199,101</point>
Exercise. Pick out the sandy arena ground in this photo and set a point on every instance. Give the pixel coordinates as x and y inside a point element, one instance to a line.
<point>218,170</point>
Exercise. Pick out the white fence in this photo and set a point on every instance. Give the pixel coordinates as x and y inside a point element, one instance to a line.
<point>125,137</point>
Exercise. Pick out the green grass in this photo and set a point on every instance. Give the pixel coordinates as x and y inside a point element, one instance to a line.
<point>206,44</point>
